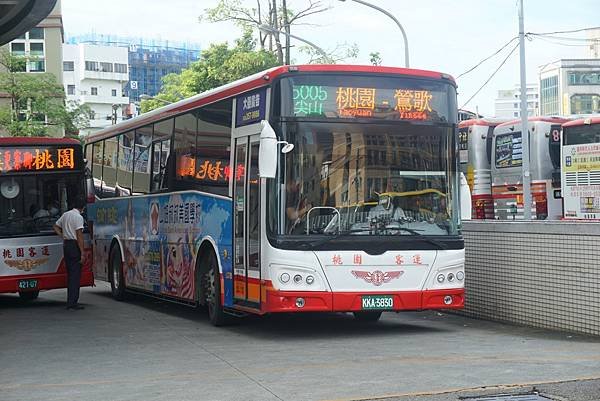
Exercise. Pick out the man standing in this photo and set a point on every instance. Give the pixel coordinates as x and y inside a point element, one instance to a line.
<point>70,227</point>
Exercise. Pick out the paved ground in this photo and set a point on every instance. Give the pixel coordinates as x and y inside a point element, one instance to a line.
<point>146,350</point>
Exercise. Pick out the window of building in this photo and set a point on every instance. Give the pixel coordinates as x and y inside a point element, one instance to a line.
<point>36,49</point>
<point>94,90</point>
<point>515,105</point>
<point>68,65</point>
<point>584,77</point>
<point>549,99</point>
<point>18,49</point>
<point>36,33</point>
<point>516,114</point>
<point>114,92</point>
<point>121,68</point>
<point>70,89</point>
<point>585,104</point>
<point>106,67</point>
<point>37,66</point>
<point>91,66</point>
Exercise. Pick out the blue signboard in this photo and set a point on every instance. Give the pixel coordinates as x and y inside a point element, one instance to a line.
<point>251,107</point>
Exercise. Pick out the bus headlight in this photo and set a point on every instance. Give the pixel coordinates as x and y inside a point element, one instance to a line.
<point>441,278</point>
<point>310,280</point>
<point>297,279</point>
<point>450,277</point>
<point>460,275</point>
<point>284,278</point>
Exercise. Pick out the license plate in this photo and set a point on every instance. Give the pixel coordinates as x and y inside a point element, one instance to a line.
<point>28,284</point>
<point>377,302</point>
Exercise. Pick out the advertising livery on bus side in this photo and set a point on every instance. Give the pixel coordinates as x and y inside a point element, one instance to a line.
<point>302,188</point>
<point>40,178</point>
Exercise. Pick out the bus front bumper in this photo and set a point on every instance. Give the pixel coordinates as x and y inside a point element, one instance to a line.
<point>290,301</point>
<point>44,281</point>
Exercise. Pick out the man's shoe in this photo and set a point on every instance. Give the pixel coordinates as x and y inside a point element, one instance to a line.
<point>75,307</point>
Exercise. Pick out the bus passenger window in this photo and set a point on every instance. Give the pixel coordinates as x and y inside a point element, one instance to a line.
<point>125,165</point>
<point>163,132</point>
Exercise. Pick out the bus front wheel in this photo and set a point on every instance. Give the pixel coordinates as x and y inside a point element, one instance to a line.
<point>367,316</point>
<point>29,295</point>
<point>212,290</point>
<point>117,285</point>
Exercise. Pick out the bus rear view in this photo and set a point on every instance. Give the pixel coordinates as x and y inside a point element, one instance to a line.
<point>39,180</point>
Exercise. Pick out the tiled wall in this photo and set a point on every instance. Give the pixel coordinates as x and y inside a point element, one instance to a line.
<point>542,274</point>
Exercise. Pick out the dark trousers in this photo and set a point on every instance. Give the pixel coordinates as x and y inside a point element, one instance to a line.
<point>72,260</point>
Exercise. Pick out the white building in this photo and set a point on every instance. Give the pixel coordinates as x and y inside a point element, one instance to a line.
<point>570,86</point>
<point>594,37</point>
<point>508,102</point>
<point>95,76</point>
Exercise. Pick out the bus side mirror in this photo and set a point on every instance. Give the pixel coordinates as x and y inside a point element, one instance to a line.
<point>465,198</point>
<point>267,154</point>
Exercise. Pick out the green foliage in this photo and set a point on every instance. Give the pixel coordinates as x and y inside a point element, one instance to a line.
<point>218,65</point>
<point>36,101</point>
<point>375,58</point>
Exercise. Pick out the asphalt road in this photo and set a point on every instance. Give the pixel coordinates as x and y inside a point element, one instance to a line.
<point>146,350</point>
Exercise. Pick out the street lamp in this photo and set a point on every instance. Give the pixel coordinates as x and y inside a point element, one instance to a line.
<point>148,97</point>
<point>269,29</point>
<point>395,20</point>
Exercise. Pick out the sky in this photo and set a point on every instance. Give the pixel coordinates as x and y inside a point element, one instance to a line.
<point>449,36</point>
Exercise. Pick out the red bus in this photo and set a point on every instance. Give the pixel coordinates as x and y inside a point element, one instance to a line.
<point>39,179</point>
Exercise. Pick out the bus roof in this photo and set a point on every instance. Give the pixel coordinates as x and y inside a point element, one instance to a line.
<point>583,121</point>
<point>546,119</point>
<point>251,82</point>
<point>20,141</point>
<point>488,122</point>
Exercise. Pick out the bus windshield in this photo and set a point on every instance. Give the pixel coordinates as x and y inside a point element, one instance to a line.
<point>368,179</point>
<point>31,204</point>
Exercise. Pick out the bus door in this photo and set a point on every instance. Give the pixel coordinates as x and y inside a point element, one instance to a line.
<point>246,204</point>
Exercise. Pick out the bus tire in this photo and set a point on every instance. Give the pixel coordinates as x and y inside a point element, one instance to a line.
<point>370,316</point>
<point>117,284</point>
<point>29,295</point>
<point>212,291</point>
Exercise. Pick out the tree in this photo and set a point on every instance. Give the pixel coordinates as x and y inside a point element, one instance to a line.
<point>36,101</point>
<point>375,58</point>
<point>272,13</point>
<point>218,65</point>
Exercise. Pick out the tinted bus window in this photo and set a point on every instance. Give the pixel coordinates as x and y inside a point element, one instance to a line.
<point>508,150</point>
<point>161,148</point>
<point>125,166</point>
<point>185,151</point>
<point>109,176</point>
<point>581,135</point>
<point>141,160</point>
<point>97,152</point>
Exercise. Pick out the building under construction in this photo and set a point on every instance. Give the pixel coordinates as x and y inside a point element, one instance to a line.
<point>149,60</point>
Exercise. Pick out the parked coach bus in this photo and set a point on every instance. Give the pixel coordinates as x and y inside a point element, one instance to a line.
<point>210,200</point>
<point>544,150</point>
<point>580,170</point>
<point>475,153</point>
<point>39,180</point>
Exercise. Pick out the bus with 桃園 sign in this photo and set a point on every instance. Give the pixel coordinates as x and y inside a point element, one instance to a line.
<point>302,188</point>
<point>40,178</point>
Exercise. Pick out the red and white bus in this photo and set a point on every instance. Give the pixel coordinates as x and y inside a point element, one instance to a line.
<point>39,178</point>
<point>580,170</point>
<point>240,197</point>
<point>475,139</point>
<point>544,150</point>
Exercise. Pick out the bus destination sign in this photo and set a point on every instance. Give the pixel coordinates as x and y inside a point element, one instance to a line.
<point>38,159</point>
<point>363,102</point>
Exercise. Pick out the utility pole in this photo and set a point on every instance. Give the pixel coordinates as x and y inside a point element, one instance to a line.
<point>287,31</point>
<point>524,121</point>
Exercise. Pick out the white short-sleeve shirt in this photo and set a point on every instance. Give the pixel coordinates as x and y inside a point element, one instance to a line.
<point>70,222</point>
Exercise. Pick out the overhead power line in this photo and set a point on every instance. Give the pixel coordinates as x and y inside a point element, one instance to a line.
<point>491,76</point>
<point>488,57</point>
<point>555,32</point>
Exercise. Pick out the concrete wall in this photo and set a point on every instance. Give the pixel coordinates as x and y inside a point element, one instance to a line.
<point>541,273</point>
